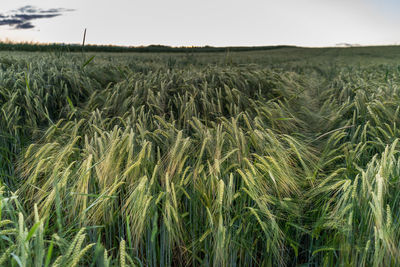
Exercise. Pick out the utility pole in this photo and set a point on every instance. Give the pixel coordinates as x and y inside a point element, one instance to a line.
<point>84,38</point>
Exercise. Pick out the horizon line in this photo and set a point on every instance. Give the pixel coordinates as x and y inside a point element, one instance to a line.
<point>338,45</point>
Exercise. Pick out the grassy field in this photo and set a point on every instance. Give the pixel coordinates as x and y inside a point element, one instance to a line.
<point>285,157</point>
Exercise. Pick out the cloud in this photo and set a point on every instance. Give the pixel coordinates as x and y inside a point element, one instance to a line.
<point>10,22</point>
<point>27,9</point>
<point>22,18</point>
<point>26,25</point>
<point>27,17</point>
<point>56,10</point>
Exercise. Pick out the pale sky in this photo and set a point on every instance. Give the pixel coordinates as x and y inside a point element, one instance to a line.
<point>206,22</point>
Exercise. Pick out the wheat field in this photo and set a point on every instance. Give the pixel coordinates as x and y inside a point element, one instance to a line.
<point>287,157</point>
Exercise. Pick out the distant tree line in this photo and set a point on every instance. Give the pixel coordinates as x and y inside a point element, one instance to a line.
<point>119,49</point>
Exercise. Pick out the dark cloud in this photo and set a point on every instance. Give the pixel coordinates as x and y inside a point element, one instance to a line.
<point>22,18</point>
<point>10,22</point>
<point>26,25</point>
<point>27,17</point>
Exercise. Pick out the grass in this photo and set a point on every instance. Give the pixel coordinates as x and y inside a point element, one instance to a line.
<point>284,157</point>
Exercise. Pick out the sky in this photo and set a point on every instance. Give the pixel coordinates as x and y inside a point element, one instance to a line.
<point>313,23</point>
